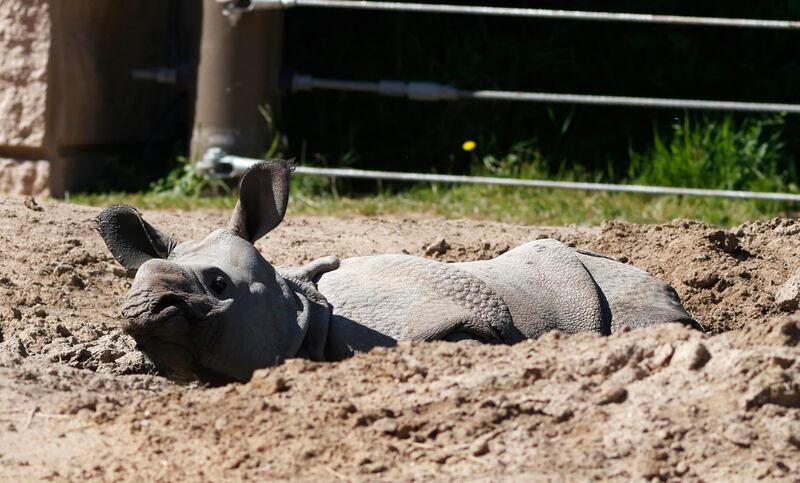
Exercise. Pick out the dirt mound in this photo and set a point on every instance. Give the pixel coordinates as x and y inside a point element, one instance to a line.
<point>727,279</point>
<point>661,403</point>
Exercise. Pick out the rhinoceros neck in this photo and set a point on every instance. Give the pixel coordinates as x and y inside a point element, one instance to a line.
<point>313,314</point>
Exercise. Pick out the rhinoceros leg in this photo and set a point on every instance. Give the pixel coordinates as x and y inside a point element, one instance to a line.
<point>636,298</point>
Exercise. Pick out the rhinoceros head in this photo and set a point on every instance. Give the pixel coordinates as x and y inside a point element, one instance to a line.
<point>211,309</point>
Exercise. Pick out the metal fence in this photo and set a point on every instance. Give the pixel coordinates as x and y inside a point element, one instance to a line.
<point>221,164</point>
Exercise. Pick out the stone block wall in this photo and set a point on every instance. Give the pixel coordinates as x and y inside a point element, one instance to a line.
<point>67,91</point>
<point>24,47</point>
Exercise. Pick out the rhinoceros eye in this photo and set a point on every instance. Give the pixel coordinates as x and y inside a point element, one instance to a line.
<point>218,285</point>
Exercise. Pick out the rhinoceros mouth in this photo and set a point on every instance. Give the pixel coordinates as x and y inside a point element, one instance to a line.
<point>212,377</point>
<point>174,332</point>
<point>172,356</point>
<point>174,343</point>
<point>175,358</point>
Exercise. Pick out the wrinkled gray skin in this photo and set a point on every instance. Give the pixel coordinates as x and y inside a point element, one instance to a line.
<point>216,310</point>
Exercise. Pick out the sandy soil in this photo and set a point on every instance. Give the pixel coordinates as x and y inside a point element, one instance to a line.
<point>77,401</point>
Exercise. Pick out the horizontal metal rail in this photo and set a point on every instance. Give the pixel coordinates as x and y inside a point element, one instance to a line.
<point>221,165</point>
<point>539,183</point>
<point>236,7</point>
<point>429,91</point>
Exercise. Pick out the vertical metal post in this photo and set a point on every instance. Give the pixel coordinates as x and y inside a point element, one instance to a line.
<point>238,77</point>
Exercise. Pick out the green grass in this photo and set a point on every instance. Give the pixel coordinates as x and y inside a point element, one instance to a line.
<point>700,153</point>
<point>149,200</point>
<point>529,206</point>
<point>718,153</point>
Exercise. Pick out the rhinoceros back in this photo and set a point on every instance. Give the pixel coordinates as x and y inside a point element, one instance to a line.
<point>527,291</point>
<point>401,297</point>
<point>537,287</point>
<point>545,287</point>
<point>548,285</point>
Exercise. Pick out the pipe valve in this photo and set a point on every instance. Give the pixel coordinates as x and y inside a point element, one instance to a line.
<point>218,164</point>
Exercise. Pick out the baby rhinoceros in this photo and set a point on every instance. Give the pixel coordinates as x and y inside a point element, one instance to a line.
<point>216,310</point>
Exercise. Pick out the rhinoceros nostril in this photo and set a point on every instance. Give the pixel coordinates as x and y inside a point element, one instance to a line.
<point>170,300</point>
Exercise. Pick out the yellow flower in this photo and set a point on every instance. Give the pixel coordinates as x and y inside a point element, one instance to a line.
<point>469,145</point>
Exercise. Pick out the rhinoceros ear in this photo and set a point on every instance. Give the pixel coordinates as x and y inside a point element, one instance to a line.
<point>263,196</point>
<point>130,239</point>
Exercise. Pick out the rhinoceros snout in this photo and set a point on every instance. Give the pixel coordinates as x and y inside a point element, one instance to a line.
<point>148,305</point>
<point>163,297</point>
<point>165,317</point>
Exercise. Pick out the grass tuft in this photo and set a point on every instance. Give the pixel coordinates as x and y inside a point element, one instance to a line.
<point>705,153</point>
<point>718,154</point>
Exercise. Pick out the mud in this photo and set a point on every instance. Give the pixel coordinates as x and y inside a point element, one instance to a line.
<point>77,401</point>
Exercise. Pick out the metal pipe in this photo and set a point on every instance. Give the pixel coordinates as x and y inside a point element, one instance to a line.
<point>429,91</point>
<point>220,165</point>
<point>236,7</point>
<point>632,101</point>
<point>239,71</point>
